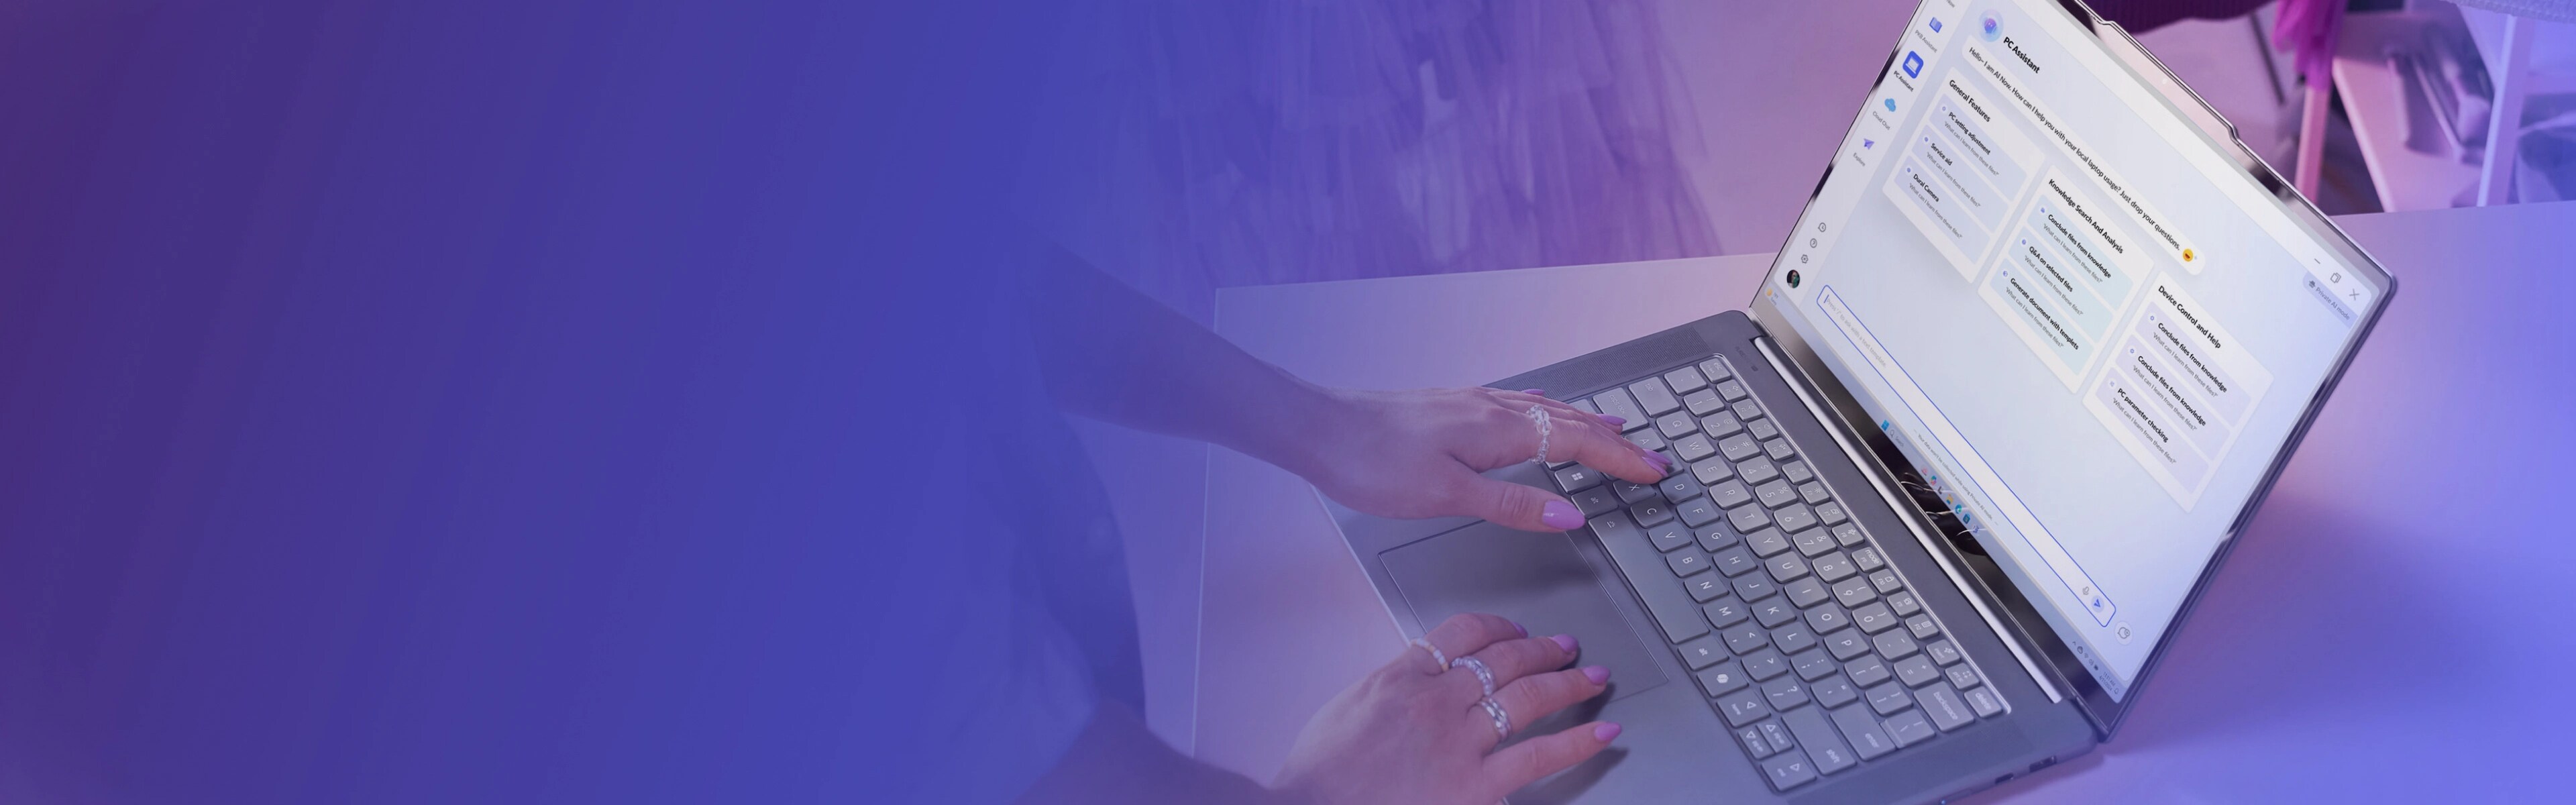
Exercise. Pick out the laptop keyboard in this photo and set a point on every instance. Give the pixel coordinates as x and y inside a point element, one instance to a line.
<point>1808,644</point>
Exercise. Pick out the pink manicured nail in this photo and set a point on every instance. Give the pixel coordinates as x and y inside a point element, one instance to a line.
<point>1524,630</point>
<point>1535,392</point>
<point>1597,674</point>
<point>1565,641</point>
<point>1605,732</point>
<point>1614,420</point>
<point>1561,515</point>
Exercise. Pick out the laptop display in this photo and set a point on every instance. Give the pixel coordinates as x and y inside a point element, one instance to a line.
<point>2077,314</point>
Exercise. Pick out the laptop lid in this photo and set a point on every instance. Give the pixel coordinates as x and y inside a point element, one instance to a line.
<point>2053,291</point>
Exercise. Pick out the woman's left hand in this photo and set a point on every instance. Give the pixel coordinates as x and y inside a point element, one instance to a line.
<point>1420,453</point>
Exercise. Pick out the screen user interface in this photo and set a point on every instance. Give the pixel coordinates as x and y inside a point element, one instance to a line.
<point>2087,328</point>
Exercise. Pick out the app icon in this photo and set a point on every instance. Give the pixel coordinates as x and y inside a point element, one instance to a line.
<point>1868,143</point>
<point>1936,25</point>
<point>1991,27</point>
<point>1793,278</point>
<point>1890,103</point>
<point>1913,64</point>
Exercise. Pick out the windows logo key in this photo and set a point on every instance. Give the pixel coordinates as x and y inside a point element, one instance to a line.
<point>1913,64</point>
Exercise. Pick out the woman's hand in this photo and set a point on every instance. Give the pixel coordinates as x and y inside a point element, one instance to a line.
<point>1418,453</point>
<point>1413,732</point>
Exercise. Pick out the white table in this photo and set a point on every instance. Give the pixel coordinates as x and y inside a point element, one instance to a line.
<point>2394,626</point>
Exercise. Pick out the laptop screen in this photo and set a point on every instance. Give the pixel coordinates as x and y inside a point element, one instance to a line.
<point>2086,326</point>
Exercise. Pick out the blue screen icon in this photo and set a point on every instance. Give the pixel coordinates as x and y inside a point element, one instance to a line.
<point>1913,64</point>
<point>1936,26</point>
<point>1890,103</point>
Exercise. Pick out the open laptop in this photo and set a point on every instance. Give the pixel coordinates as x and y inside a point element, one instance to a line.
<point>2037,348</point>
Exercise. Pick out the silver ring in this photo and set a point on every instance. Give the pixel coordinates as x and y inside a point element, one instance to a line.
<point>1502,720</point>
<point>1546,424</point>
<point>1436,656</point>
<point>1484,675</point>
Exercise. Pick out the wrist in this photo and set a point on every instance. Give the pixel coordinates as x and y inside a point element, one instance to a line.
<point>1294,431</point>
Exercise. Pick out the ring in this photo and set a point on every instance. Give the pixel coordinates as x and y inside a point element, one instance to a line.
<point>1502,720</point>
<point>1540,419</point>
<point>1484,675</point>
<point>1436,656</point>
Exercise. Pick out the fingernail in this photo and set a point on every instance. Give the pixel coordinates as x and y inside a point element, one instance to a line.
<point>1605,732</point>
<point>1535,392</point>
<point>1560,515</point>
<point>1597,674</point>
<point>1565,641</point>
<point>1524,630</point>
<point>1614,420</point>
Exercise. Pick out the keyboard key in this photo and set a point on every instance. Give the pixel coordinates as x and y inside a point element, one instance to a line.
<point>1681,488</point>
<point>1831,513</point>
<point>1941,651</point>
<point>1748,519</point>
<point>1893,645</point>
<point>1984,702</point>
<point>1814,542</point>
<point>1720,425</point>
<point>1701,652</point>
<point>1908,729</point>
<point>1653,512</point>
<point>1888,698</point>
<point>1710,473</point>
<point>1673,610</point>
<point>1961,677</point>
<point>1739,447</point>
<point>1596,501</point>
<point>1715,369</point>
<point>1633,492</point>
<point>1811,492</point>
<point>1834,691</point>
<point>1944,706</point>
<point>1722,679</point>
<point>1756,470</point>
<point>1616,403</point>
<point>1735,561</point>
<point>1764,664</point>
<point>1847,644</point>
<point>1577,478</point>
<point>1778,449</point>
<point>1730,494</point>
<point>1827,619</point>
<point>1823,744</point>
<point>1789,769</point>
<point>1775,494</point>
<point>1767,542</point>
<point>1922,627</point>
<point>1874,618</point>
<point>1754,587</point>
<point>1813,665</point>
<point>1745,639</point>
<point>1702,402</point>
<point>1722,614</point>
<point>1805,592</point>
<point>1698,511</point>
<point>1885,581</point>
<point>1788,692</point>
<point>1861,729</point>
<point>1848,534</point>
<point>1743,707</point>
<point>1795,518</point>
<point>1677,424</point>
<point>1685,380</point>
<point>1903,602</point>
<point>1771,614</point>
<point>1868,671</point>
<point>1853,592</point>
<point>1654,398</point>
<point>1762,429</point>
<point>1916,671</point>
<point>1793,639</point>
<point>1669,536</point>
<point>1748,410</point>
<point>1830,567</point>
<point>1867,559</point>
<point>1705,588</point>
<point>1776,735</point>
<point>1797,472</point>
<point>1687,561</point>
<point>1647,438</point>
<point>1693,447</point>
<point>1712,538</point>
<point>1785,567</point>
<point>1753,743</point>
<point>1732,390</point>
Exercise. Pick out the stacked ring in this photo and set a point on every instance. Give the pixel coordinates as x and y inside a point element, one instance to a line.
<point>1502,720</point>
<point>1540,419</point>
<point>1436,656</point>
<point>1484,675</point>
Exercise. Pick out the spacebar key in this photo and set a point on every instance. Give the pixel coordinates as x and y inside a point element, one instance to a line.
<point>1646,572</point>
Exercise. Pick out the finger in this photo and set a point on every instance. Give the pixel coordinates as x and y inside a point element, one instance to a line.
<point>1511,505</point>
<point>1519,399</point>
<point>1510,660</point>
<point>1602,448</point>
<point>1470,632</point>
<point>1525,762</point>
<point>1538,696</point>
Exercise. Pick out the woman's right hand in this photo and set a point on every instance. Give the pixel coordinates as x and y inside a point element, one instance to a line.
<point>1413,731</point>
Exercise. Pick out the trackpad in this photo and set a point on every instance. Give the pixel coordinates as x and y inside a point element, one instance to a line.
<point>1537,580</point>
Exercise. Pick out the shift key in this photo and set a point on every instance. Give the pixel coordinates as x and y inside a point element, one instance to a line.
<point>1644,566</point>
<point>1822,743</point>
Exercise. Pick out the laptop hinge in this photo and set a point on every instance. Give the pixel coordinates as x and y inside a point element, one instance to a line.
<point>1907,514</point>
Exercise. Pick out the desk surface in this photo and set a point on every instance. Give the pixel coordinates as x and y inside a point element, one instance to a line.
<point>2394,627</point>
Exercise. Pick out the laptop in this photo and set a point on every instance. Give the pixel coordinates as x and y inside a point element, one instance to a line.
<point>2043,337</point>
